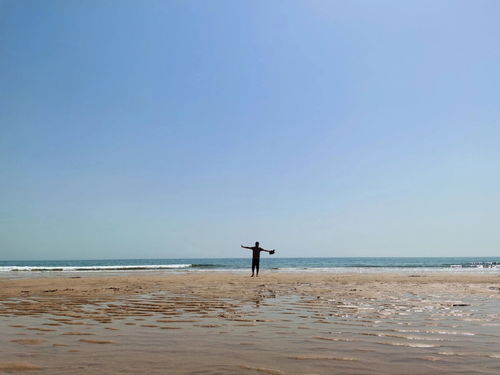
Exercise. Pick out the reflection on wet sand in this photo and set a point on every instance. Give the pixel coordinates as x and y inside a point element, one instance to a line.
<point>225,324</point>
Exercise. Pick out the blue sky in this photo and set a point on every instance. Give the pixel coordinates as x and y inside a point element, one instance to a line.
<point>136,129</point>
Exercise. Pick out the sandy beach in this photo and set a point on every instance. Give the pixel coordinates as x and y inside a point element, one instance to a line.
<point>229,323</point>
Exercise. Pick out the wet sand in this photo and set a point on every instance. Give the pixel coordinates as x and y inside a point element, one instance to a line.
<point>225,323</point>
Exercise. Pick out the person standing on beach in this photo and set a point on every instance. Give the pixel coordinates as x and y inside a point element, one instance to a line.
<point>256,256</point>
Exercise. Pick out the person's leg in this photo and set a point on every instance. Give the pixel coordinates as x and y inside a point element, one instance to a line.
<point>253,266</point>
<point>257,267</point>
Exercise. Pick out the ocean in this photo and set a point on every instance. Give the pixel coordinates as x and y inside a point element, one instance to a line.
<point>362,264</point>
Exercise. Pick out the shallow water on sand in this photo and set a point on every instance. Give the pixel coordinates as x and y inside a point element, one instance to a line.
<point>166,333</point>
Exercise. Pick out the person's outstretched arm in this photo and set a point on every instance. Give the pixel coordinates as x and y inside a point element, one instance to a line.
<point>246,247</point>
<point>266,250</point>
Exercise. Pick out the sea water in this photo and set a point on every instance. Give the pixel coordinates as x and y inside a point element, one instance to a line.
<point>277,264</point>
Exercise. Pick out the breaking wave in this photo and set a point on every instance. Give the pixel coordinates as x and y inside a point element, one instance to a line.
<point>104,268</point>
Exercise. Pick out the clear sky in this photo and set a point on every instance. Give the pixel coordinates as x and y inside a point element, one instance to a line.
<point>170,129</point>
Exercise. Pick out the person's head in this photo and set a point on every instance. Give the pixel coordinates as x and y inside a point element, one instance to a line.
<point>256,244</point>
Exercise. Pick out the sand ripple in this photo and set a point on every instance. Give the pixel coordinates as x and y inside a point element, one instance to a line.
<point>321,358</point>
<point>263,369</point>
<point>29,341</point>
<point>18,366</point>
<point>96,341</point>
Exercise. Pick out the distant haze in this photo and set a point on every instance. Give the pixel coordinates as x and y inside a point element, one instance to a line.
<point>173,129</point>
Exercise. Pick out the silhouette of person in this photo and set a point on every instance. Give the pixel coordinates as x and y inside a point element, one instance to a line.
<point>256,256</point>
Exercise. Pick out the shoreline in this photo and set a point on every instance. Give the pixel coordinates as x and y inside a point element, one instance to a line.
<point>347,271</point>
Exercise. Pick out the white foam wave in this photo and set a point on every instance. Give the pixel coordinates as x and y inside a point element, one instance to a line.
<point>403,270</point>
<point>93,268</point>
<point>411,345</point>
<point>436,332</point>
